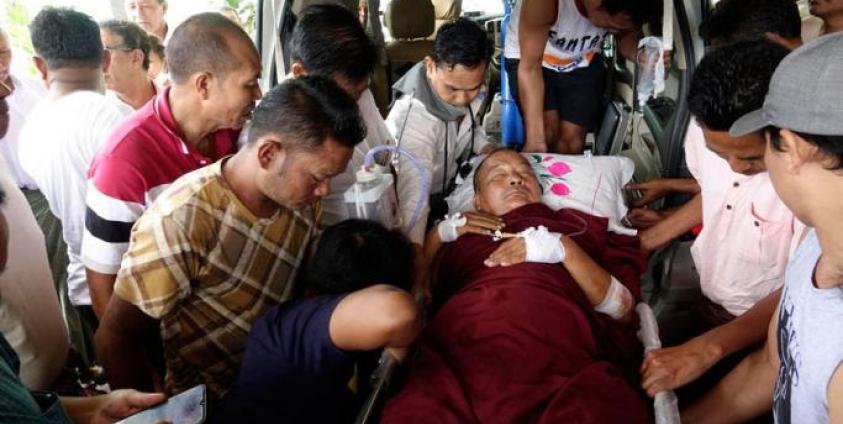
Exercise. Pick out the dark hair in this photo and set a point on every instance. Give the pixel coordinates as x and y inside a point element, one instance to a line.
<point>743,20</point>
<point>155,46</point>
<point>830,146</point>
<point>640,11</point>
<point>461,42</point>
<point>304,112</point>
<point>356,254</point>
<point>329,40</point>
<point>132,37</point>
<point>732,81</point>
<point>2,196</point>
<point>65,38</point>
<point>201,44</point>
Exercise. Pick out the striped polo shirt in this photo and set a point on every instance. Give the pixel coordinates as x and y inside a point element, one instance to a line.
<point>144,155</point>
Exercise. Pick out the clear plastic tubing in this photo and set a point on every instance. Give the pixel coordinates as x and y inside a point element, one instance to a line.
<point>369,160</point>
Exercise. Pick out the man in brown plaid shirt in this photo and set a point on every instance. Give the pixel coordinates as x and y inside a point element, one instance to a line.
<point>223,243</point>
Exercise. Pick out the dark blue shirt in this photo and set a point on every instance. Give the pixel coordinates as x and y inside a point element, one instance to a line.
<point>291,370</point>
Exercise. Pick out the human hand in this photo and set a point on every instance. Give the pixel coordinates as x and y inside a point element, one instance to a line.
<point>651,191</point>
<point>454,226</point>
<point>533,146</point>
<point>643,218</point>
<point>510,252</point>
<point>669,368</point>
<point>120,404</point>
<point>531,245</point>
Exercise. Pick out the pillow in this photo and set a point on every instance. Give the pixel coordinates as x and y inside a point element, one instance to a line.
<point>590,184</point>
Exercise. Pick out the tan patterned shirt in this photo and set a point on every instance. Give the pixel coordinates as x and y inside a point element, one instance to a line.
<point>206,267</point>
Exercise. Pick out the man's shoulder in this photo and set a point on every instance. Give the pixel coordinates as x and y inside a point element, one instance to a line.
<point>408,107</point>
<point>199,191</point>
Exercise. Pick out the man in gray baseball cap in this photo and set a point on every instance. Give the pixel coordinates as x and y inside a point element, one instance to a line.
<point>800,370</point>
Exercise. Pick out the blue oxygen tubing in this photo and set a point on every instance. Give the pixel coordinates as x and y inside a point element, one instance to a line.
<point>369,161</point>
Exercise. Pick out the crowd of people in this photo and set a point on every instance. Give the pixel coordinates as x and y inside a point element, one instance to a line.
<point>190,228</point>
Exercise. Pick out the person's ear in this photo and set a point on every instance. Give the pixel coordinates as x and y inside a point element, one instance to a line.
<point>796,151</point>
<point>202,84</point>
<point>298,70</point>
<point>41,66</point>
<point>270,151</point>
<point>137,57</point>
<point>788,43</point>
<point>106,60</point>
<point>479,205</point>
<point>429,65</point>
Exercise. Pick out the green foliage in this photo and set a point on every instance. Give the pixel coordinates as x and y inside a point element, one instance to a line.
<point>14,22</point>
<point>246,10</point>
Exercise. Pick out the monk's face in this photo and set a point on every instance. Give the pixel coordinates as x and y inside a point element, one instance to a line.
<point>505,181</point>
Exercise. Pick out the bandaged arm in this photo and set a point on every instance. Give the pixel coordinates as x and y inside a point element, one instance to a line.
<point>603,290</point>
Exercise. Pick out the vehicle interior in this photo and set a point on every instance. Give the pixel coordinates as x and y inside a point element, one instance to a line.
<point>651,136</point>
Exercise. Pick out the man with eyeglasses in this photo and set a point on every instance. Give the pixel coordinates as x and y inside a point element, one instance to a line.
<point>126,79</point>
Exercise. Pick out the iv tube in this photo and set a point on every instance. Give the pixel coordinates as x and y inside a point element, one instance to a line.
<point>369,160</point>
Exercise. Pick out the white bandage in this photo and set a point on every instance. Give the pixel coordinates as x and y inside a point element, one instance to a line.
<point>618,301</point>
<point>543,246</point>
<point>447,228</point>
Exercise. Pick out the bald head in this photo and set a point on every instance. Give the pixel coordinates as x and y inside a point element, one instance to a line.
<point>208,42</point>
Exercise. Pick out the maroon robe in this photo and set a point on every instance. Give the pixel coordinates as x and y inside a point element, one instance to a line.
<point>523,343</point>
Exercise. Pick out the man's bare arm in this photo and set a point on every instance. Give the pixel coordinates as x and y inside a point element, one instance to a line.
<point>678,223</point>
<point>101,287</point>
<point>673,367</point>
<point>375,317</point>
<point>120,341</point>
<point>744,393</point>
<point>835,397</point>
<point>536,18</point>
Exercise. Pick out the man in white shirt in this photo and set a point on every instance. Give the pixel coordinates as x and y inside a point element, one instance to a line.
<point>328,40</point>
<point>66,129</point>
<point>126,80</point>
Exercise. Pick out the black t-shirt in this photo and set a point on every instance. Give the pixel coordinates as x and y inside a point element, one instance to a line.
<point>291,370</point>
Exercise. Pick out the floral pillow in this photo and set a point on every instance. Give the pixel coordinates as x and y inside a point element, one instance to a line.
<point>591,184</point>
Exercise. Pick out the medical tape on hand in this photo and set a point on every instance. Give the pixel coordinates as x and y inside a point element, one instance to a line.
<point>618,300</point>
<point>447,228</point>
<point>543,246</point>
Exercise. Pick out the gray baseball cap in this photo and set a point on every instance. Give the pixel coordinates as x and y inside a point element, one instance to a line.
<point>806,92</point>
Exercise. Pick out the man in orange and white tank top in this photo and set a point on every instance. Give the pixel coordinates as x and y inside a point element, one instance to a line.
<point>556,73</point>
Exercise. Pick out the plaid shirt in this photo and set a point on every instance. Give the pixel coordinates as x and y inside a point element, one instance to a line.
<point>206,267</point>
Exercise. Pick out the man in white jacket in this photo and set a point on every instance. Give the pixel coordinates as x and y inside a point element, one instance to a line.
<point>434,121</point>
<point>328,40</point>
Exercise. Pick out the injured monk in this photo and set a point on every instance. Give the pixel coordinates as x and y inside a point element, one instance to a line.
<point>533,313</point>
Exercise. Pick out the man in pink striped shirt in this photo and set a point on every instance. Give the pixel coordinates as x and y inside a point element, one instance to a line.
<point>214,68</point>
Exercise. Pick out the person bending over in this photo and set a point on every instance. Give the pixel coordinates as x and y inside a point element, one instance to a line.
<point>302,354</point>
<point>434,120</point>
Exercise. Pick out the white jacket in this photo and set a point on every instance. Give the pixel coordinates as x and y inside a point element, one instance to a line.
<point>334,208</point>
<point>424,136</point>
